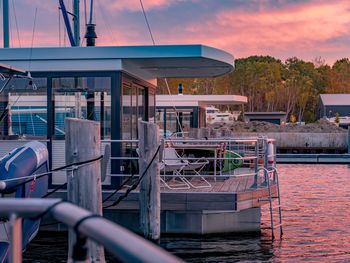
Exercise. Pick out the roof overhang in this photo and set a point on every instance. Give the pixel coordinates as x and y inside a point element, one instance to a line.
<point>9,71</point>
<point>144,61</point>
<point>198,100</point>
<point>265,114</point>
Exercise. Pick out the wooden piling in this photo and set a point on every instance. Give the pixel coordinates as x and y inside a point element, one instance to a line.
<point>150,184</point>
<point>84,184</point>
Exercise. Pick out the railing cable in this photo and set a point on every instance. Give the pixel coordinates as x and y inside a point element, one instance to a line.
<point>133,187</point>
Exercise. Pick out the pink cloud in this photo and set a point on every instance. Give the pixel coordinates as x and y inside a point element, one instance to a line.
<point>318,28</point>
<point>134,5</point>
<point>301,30</point>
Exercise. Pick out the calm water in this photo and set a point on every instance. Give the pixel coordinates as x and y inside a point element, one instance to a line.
<point>316,214</point>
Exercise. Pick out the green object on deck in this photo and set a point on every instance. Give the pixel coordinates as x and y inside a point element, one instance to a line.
<point>231,164</point>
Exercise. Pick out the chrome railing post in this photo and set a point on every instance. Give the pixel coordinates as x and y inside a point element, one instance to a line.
<point>15,239</point>
<point>256,165</point>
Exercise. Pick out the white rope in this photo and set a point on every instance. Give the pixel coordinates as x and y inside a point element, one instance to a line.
<point>73,168</point>
<point>165,79</point>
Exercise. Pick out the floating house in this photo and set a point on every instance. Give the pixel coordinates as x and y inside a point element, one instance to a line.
<point>190,109</point>
<point>113,85</point>
<point>116,86</point>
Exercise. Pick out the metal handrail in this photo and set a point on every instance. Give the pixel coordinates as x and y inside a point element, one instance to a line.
<point>122,243</point>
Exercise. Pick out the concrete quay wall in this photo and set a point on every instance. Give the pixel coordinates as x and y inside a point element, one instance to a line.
<point>291,140</point>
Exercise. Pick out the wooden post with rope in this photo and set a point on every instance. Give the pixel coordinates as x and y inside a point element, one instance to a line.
<point>84,183</point>
<point>150,184</point>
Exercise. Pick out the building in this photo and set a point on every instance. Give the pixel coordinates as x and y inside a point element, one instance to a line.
<point>331,104</point>
<point>189,109</point>
<point>272,117</point>
<point>113,85</point>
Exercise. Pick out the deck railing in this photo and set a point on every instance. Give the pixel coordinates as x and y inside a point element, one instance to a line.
<point>123,244</point>
<point>228,157</point>
<point>225,157</point>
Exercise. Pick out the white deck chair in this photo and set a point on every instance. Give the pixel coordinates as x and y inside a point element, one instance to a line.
<point>173,163</point>
<point>178,165</point>
<point>196,168</point>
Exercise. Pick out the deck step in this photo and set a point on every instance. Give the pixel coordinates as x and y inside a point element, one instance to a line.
<point>276,207</point>
<point>267,198</point>
<point>269,227</point>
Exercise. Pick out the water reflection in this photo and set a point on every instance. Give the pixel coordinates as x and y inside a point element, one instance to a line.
<point>316,205</point>
<point>220,249</point>
<point>316,213</point>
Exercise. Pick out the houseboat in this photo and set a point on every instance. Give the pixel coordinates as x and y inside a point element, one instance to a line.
<point>179,113</point>
<point>116,87</point>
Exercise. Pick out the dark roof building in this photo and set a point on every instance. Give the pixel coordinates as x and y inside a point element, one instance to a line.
<point>272,117</point>
<point>330,104</point>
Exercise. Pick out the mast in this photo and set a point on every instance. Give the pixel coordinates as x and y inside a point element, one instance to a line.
<point>76,19</point>
<point>5,10</point>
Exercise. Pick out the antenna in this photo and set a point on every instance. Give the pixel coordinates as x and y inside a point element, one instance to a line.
<point>90,34</point>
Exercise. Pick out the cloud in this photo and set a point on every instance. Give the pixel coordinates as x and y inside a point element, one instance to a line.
<point>289,31</point>
<point>134,5</point>
<point>281,28</point>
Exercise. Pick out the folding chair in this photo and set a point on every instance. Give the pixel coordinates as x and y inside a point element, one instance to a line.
<point>173,163</point>
<point>196,167</point>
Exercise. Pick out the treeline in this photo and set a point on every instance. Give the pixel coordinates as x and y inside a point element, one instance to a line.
<point>292,86</point>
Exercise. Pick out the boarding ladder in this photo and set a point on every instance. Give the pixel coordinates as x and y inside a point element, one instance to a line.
<point>270,199</point>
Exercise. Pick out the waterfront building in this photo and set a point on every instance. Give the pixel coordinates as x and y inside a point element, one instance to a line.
<point>115,86</point>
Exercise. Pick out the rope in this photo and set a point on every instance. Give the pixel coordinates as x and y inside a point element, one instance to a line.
<point>54,190</point>
<point>122,197</point>
<point>34,177</point>
<point>15,15</point>
<point>82,220</point>
<point>165,79</point>
<point>120,187</point>
<point>148,26</point>
<point>47,210</point>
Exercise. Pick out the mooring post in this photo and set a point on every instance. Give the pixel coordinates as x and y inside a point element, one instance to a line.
<point>150,184</point>
<point>84,183</point>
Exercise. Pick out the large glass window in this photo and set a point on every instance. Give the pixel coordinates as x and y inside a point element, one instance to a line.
<point>23,108</point>
<point>84,98</point>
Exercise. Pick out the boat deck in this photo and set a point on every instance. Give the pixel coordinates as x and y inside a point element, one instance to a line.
<point>226,193</point>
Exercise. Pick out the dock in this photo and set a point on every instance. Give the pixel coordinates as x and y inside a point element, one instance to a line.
<point>231,205</point>
<point>313,158</point>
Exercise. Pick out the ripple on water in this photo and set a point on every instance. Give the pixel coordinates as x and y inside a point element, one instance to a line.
<point>316,205</point>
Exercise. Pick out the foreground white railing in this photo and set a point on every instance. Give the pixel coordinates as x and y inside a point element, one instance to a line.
<point>123,244</point>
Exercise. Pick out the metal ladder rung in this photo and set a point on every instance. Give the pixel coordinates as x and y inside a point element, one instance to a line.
<point>276,207</point>
<point>277,226</point>
<point>267,199</point>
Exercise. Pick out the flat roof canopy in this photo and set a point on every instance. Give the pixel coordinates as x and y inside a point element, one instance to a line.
<point>335,99</point>
<point>198,100</point>
<point>144,61</point>
<point>265,115</point>
<point>10,71</point>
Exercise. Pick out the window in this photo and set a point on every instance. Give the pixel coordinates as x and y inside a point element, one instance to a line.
<point>82,97</point>
<point>23,105</point>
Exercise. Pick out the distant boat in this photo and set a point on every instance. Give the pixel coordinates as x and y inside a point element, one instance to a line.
<point>213,115</point>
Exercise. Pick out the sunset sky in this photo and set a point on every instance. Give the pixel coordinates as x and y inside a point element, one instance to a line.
<point>280,28</point>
